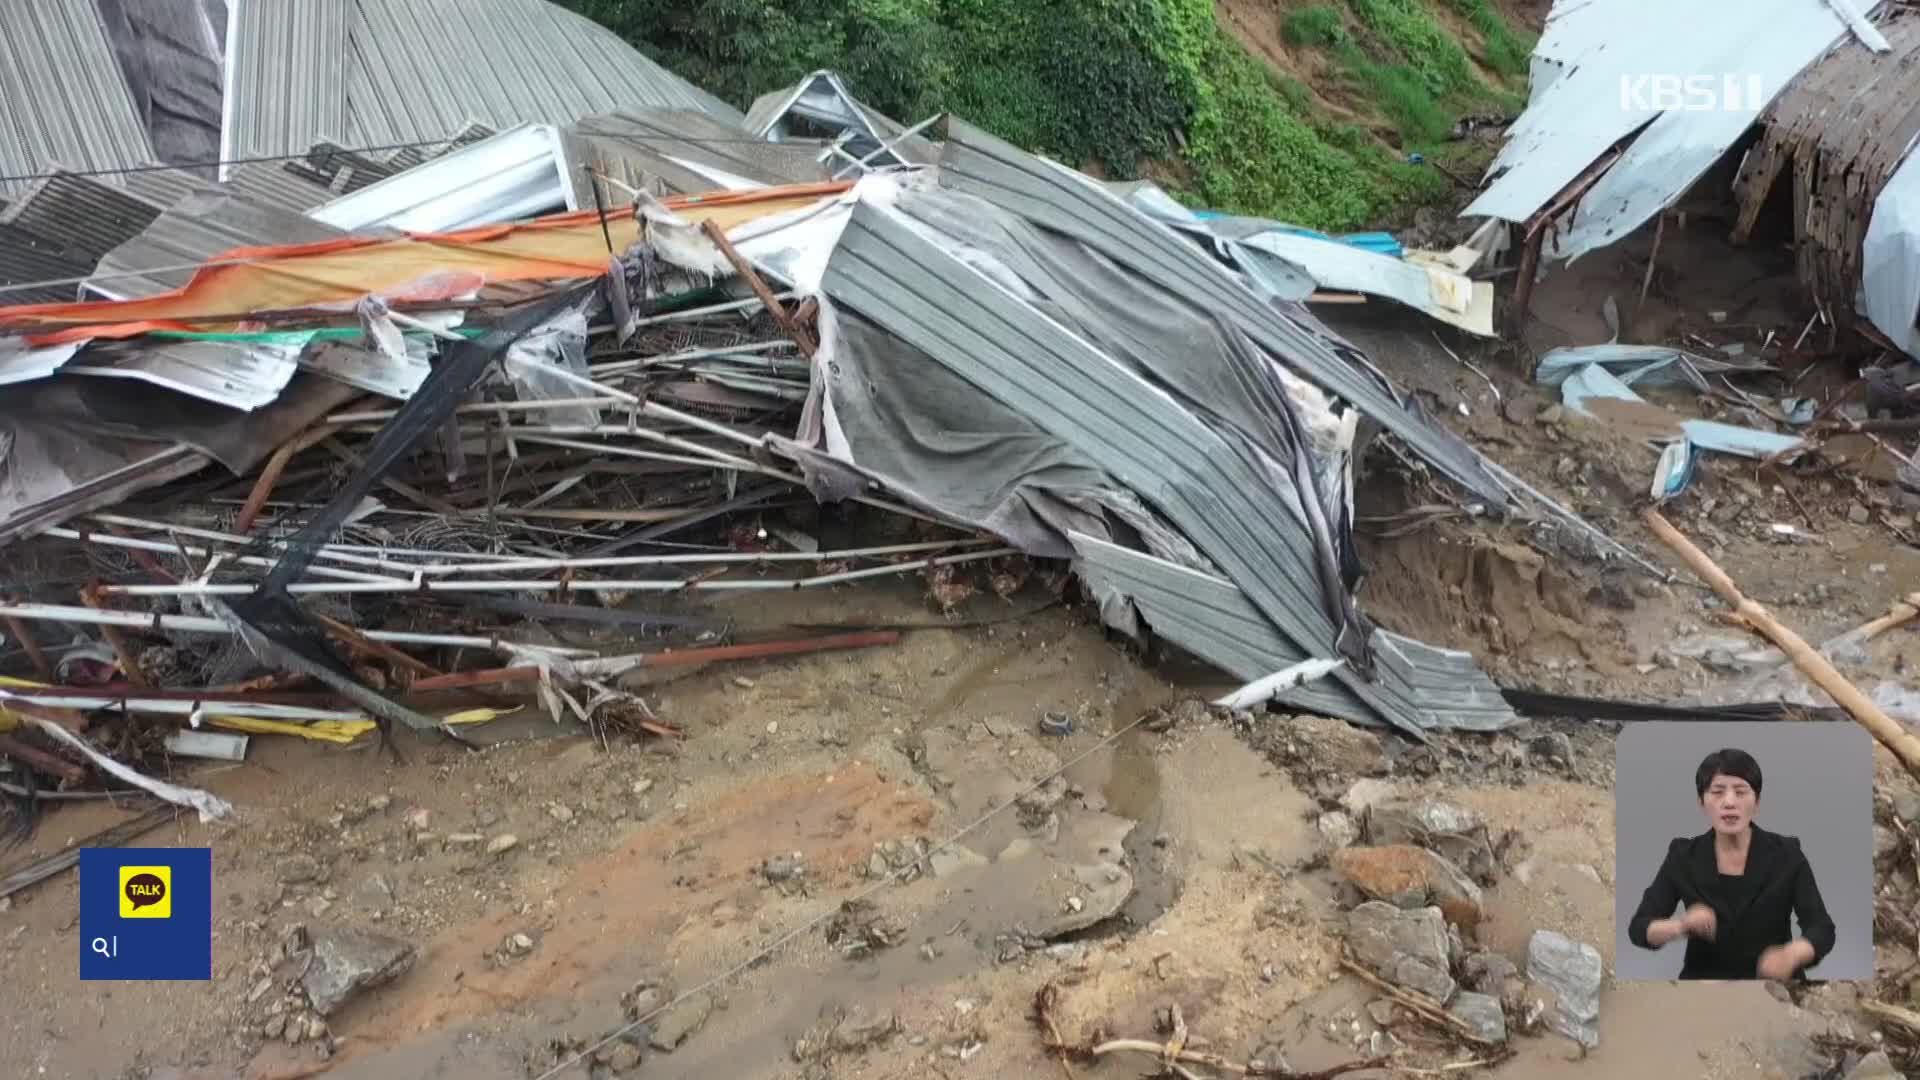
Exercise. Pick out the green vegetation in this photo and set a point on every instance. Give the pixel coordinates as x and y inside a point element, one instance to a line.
<point>1124,87</point>
<point>1317,24</point>
<point>1506,51</point>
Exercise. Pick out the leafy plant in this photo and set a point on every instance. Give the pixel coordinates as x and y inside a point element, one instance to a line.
<point>1318,24</point>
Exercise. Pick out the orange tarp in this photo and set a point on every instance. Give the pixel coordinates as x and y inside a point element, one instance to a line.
<point>416,267</point>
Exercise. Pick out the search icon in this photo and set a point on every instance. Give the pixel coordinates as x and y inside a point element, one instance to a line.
<point>100,946</point>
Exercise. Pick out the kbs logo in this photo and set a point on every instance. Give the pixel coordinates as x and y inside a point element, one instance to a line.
<point>1691,93</point>
<point>146,892</point>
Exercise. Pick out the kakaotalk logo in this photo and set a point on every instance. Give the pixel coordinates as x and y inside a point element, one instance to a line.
<point>146,892</point>
<point>1691,93</point>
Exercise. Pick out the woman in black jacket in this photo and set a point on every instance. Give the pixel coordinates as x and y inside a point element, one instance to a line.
<point>1739,883</point>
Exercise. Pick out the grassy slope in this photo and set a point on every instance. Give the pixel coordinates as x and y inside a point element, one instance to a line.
<point>1132,87</point>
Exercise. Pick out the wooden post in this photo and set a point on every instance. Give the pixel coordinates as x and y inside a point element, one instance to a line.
<point>129,663</point>
<point>1531,239</point>
<point>747,274</point>
<point>1904,744</point>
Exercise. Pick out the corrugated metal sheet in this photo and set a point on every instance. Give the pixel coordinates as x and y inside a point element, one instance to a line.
<point>514,175</point>
<point>198,228</point>
<point>652,150</point>
<point>65,102</point>
<point>86,217</point>
<point>1209,617</point>
<point>1607,54</point>
<point>823,101</point>
<point>1214,488</point>
<point>284,90</point>
<point>25,258</point>
<point>1059,199</point>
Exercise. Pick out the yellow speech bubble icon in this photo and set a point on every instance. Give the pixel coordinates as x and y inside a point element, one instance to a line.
<point>146,892</point>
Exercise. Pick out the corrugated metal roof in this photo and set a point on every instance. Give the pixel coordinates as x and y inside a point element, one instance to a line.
<point>66,103</point>
<point>25,257</point>
<point>652,149</point>
<point>1211,618</point>
<point>1057,198</point>
<point>822,99</point>
<point>383,72</point>
<point>199,227</point>
<point>1216,489</point>
<point>86,217</point>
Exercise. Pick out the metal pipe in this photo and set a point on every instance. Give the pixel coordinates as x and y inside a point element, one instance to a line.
<point>201,624</point>
<point>135,544</point>
<point>621,367</point>
<point>507,565</point>
<point>430,585</point>
<point>175,707</point>
<point>327,551</point>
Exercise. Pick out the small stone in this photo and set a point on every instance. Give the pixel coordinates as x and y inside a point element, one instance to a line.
<point>877,866</point>
<point>1338,829</point>
<point>1410,877</point>
<point>680,1022</point>
<point>1486,972</point>
<point>1074,903</point>
<point>1906,807</point>
<point>260,990</point>
<point>293,1030</point>
<point>1886,843</point>
<point>561,814</point>
<point>419,818</point>
<point>861,1029</point>
<point>1365,793</point>
<point>624,1057</point>
<point>773,727</point>
<point>319,906</point>
<point>1554,747</point>
<point>346,961</point>
<point>1423,977</point>
<point>953,859</point>
<point>1337,746</point>
<point>743,682</point>
<point>642,786</point>
<point>316,1028</point>
<point>1858,514</point>
<point>273,1027</point>
<point>379,803</point>
<point>465,839</point>
<point>298,869</point>
<point>1552,414</point>
<point>1482,1013</point>
<point>518,945</point>
<point>1572,970</point>
<point>1382,1011</point>
<point>781,868</point>
<point>502,844</point>
<point>645,998</point>
<point>1379,932</point>
<point>1874,1066</point>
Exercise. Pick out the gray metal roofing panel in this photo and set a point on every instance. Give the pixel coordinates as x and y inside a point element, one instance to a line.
<point>635,145</point>
<point>81,215</point>
<point>284,86</point>
<point>196,229</point>
<point>1205,483</point>
<point>1212,619</point>
<point>1059,199</point>
<point>421,69</point>
<point>25,257</point>
<point>66,103</point>
<point>272,183</point>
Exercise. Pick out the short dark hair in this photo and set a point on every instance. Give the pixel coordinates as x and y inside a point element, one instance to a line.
<point>1726,762</point>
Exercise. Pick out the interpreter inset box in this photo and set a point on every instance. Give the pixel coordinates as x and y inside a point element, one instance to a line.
<point>1743,851</point>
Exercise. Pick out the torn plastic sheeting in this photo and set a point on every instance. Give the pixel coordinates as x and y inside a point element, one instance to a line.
<point>333,731</point>
<point>1594,381</point>
<point>1651,365</point>
<point>1890,264</point>
<point>1674,471</point>
<point>560,342</point>
<point>211,807</point>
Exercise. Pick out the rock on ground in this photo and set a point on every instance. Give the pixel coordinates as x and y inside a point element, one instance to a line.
<point>1379,933</point>
<point>624,1058</point>
<point>1456,833</point>
<point>1418,975</point>
<point>1102,901</point>
<point>1409,877</point>
<point>1338,829</point>
<point>1572,970</point>
<point>1482,1013</point>
<point>1487,972</point>
<point>860,1029</point>
<point>1874,1066</point>
<point>346,961</point>
<point>681,1021</point>
<point>1337,745</point>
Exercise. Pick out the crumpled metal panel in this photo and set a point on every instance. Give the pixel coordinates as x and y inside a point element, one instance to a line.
<point>1057,198</point>
<point>1601,48</point>
<point>1217,489</point>
<point>517,174</point>
<point>1891,263</point>
<point>1213,619</point>
<point>204,225</point>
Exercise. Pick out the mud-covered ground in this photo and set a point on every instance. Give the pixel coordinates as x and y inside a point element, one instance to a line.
<point>767,867</point>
